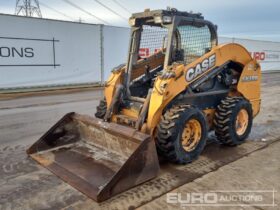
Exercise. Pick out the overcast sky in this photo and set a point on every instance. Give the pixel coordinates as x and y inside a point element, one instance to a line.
<point>254,19</point>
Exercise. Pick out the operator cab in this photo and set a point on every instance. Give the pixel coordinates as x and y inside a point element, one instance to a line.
<point>161,38</point>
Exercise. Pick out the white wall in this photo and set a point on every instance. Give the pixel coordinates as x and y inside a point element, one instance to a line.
<point>77,52</point>
<point>116,42</point>
<point>40,52</point>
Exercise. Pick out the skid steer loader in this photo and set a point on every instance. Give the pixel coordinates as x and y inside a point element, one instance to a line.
<point>177,85</point>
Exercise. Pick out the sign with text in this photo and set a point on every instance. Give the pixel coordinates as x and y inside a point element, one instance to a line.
<point>16,51</point>
<point>37,52</point>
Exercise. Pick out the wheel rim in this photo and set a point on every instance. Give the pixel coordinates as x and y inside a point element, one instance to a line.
<point>191,135</point>
<point>241,122</point>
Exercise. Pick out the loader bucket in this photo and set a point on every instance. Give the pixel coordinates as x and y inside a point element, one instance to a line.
<point>99,159</point>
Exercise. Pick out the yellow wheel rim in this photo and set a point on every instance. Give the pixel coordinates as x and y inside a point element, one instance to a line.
<point>241,122</point>
<point>191,135</point>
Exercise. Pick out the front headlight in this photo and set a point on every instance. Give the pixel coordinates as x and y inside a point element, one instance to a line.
<point>164,19</point>
<point>132,21</point>
<point>158,19</point>
<point>167,19</point>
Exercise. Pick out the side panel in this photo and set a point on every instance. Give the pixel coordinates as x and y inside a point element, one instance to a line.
<point>167,89</point>
<point>250,85</point>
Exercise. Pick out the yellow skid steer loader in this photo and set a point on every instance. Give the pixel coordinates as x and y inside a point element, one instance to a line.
<point>177,85</point>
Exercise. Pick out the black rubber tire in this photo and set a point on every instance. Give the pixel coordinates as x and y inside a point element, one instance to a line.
<point>101,109</point>
<point>169,132</point>
<point>225,117</point>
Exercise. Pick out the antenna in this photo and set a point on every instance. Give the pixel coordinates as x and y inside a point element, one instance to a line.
<point>29,8</point>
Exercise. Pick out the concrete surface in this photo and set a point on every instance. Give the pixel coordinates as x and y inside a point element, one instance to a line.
<point>25,185</point>
<point>259,171</point>
<point>25,119</point>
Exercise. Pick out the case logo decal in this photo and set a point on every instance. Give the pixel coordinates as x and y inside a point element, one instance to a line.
<point>200,68</point>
